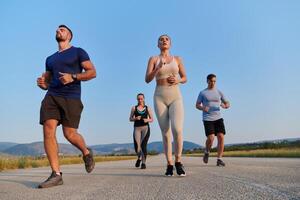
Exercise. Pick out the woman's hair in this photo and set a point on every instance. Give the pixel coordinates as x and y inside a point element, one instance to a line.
<point>140,94</point>
<point>162,36</point>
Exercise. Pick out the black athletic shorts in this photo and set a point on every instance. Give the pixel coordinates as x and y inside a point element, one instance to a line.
<point>214,127</point>
<point>66,111</point>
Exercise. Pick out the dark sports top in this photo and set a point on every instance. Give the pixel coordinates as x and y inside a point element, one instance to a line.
<point>67,61</point>
<point>144,115</point>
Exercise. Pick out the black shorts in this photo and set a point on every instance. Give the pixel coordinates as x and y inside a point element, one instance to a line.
<point>66,111</point>
<point>214,127</point>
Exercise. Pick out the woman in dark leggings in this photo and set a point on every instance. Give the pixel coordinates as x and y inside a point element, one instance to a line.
<point>141,115</point>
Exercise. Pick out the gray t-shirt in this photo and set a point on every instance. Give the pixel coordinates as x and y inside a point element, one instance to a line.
<point>211,98</point>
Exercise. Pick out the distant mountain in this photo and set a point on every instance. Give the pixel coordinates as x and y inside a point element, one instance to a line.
<point>37,148</point>
<point>3,155</point>
<point>277,141</point>
<point>112,148</point>
<point>6,145</point>
<point>190,145</point>
<point>281,140</point>
<point>152,146</point>
<point>158,146</point>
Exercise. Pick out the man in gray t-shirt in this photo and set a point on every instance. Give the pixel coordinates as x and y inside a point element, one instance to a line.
<point>209,101</point>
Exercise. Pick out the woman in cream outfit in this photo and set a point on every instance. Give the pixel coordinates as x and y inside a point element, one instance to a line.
<point>169,72</point>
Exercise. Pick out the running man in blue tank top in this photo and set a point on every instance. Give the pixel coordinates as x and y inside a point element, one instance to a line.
<point>65,70</point>
<point>209,101</point>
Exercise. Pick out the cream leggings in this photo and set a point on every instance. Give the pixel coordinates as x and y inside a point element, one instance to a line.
<point>169,111</point>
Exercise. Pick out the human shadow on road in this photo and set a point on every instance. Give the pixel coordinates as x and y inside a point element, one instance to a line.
<point>132,175</point>
<point>118,174</point>
<point>28,184</point>
<point>22,175</point>
<point>203,166</point>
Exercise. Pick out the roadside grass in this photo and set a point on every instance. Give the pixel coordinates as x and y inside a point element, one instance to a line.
<point>7,163</point>
<point>271,153</point>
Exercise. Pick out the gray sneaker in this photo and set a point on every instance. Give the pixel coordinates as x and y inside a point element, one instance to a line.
<point>53,180</point>
<point>89,161</point>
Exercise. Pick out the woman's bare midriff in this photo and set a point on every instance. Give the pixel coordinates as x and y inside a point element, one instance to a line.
<point>163,82</point>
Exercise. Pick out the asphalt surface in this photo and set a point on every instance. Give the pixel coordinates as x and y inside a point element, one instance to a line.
<point>242,178</point>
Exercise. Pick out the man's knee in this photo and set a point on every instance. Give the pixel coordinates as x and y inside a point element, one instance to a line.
<point>220,136</point>
<point>69,133</point>
<point>211,138</point>
<point>49,127</point>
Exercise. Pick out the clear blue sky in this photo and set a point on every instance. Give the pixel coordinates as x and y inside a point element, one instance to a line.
<point>252,46</point>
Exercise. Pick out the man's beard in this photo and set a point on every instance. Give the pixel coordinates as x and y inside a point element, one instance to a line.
<point>59,39</point>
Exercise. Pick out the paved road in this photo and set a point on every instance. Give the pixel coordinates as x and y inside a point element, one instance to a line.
<point>242,178</point>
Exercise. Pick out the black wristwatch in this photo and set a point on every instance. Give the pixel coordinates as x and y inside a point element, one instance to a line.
<point>74,77</point>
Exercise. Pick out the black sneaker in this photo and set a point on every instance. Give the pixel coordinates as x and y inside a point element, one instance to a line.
<point>137,163</point>
<point>179,169</point>
<point>169,171</point>
<point>143,166</point>
<point>53,180</point>
<point>220,163</point>
<point>205,158</point>
<point>89,161</point>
